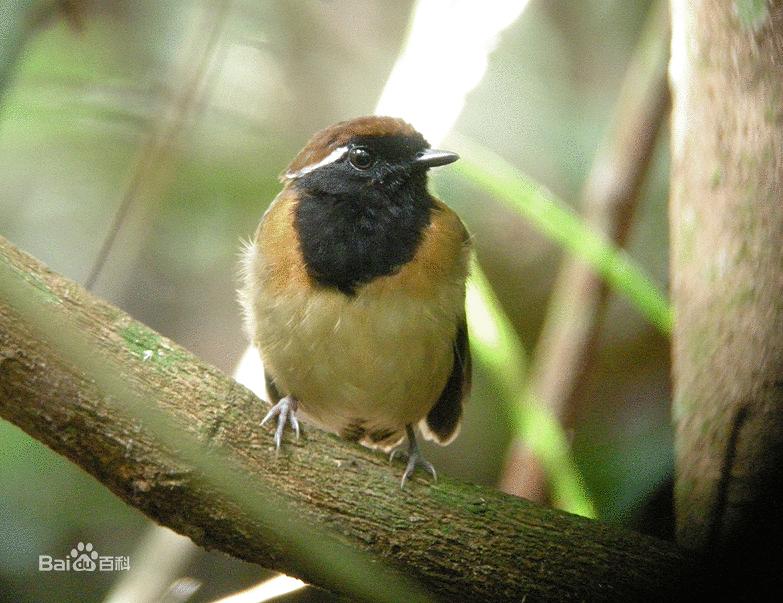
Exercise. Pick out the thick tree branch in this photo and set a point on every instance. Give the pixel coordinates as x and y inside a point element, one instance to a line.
<point>459,540</point>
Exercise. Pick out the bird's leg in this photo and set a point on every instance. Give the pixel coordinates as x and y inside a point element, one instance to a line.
<point>415,458</point>
<point>285,411</point>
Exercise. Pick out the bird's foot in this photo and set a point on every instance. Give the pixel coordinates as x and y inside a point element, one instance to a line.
<point>415,458</point>
<point>285,411</point>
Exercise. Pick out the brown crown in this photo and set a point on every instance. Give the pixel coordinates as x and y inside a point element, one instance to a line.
<point>327,140</point>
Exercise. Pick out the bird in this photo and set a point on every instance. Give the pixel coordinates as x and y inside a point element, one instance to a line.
<point>353,291</point>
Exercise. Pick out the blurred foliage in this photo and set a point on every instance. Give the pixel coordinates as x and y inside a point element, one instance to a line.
<point>83,104</point>
<point>495,345</point>
<point>562,224</point>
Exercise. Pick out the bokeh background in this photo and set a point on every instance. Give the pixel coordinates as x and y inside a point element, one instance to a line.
<point>178,117</point>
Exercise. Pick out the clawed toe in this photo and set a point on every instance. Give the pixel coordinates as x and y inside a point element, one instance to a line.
<point>415,458</point>
<point>285,411</point>
<point>418,461</point>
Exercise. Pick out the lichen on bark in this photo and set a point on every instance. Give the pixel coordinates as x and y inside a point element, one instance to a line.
<point>727,272</point>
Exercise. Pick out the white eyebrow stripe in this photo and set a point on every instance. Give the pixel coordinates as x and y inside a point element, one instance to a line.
<point>335,155</point>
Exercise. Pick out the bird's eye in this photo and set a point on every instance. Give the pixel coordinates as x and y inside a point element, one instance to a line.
<point>360,158</point>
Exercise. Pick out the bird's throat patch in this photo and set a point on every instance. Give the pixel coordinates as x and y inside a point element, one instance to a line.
<point>349,240</point>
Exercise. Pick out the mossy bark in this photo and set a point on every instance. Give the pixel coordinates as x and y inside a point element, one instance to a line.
<point>727,274</point>
<point>461,541</point>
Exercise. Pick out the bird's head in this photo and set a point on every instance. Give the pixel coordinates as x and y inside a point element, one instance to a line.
<point>372,152</point>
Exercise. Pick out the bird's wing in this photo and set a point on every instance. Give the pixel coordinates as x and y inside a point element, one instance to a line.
<point>443,421</point>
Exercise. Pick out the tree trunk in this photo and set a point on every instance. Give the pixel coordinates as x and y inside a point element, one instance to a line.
<point>461,541</point>
<point>727,277</point>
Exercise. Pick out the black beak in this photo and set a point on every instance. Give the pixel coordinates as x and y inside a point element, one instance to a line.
<point>433,158</point>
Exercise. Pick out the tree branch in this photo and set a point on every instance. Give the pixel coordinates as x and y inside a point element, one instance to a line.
<point>567,344</point>
<point>459,540</point>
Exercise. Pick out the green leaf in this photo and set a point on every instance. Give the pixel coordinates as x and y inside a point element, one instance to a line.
<point>497,347</point>
<point>559,222</point>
